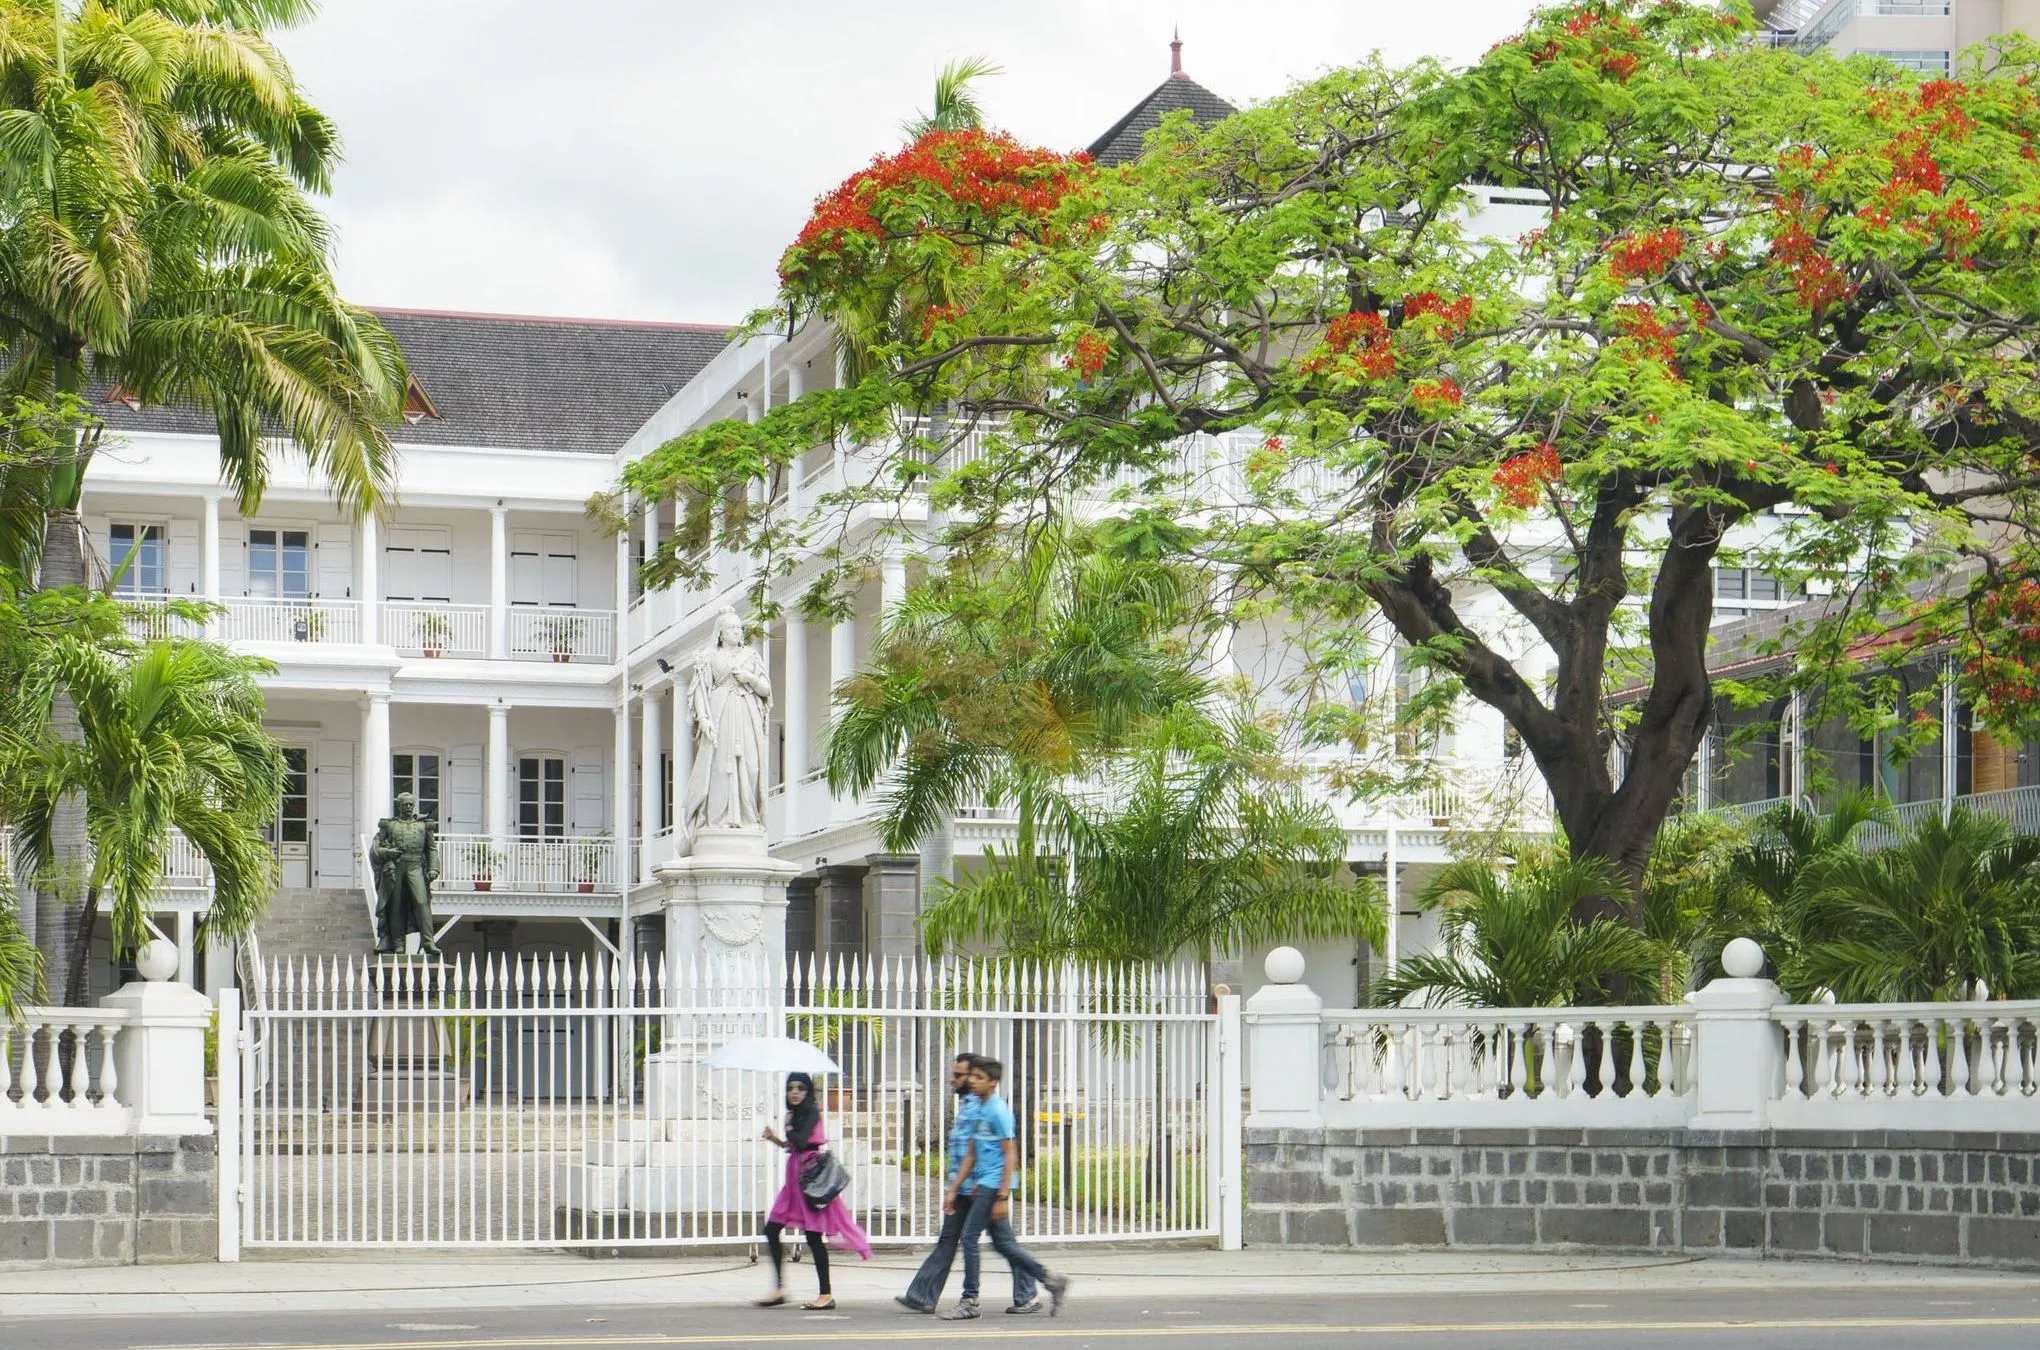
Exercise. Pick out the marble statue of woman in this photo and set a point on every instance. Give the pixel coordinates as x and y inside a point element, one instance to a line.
<point>728,693</point>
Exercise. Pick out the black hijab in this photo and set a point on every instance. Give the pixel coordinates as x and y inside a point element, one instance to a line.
<point>801,1120</point>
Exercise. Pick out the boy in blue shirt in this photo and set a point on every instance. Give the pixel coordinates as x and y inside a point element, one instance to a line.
<point>926,1290</point>
<point>982,1190</point>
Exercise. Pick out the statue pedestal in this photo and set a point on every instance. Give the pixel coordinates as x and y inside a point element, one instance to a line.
<point>414,1061</point>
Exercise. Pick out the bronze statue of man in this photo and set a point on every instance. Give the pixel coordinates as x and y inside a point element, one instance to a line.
<point>405,854</point>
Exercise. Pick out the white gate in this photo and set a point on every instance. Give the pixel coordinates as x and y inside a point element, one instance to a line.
<point>540,1102</point>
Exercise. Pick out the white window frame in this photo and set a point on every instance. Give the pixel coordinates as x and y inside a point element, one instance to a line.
<point>127,587</point>
<point>542,757</point>
<point>279,529</point>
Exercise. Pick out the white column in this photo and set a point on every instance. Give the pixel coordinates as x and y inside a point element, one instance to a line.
<point>1951,762</point>
<point>1738,1063</point>
<point>496,810</point>
<point>1282,1056</point>
<point>619,807</point>
<point>371,580</point>
<point>892,586</point>
<point>499,581</point>
<point>793,702</point>
<point>622,589</point>
<point>187,948</point>
<point>648,775</point>
<point>375,761</point>
<point>796,382</point>
<point>209,577</point>
<point>1391,867</point>
<point>651,529</point>
<point>683,756</point>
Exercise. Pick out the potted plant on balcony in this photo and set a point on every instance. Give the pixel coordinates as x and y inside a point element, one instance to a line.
<point>482,858</point>
<point>562,633</point>
<point>432,630</point>
<point>309,625</point>
<point>588,854</point>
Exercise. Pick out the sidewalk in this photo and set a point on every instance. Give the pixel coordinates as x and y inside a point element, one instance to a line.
<point>439,1281</point>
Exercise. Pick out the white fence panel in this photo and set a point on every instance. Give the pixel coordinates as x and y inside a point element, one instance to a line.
<point>548,1102</point>
<point>59,1073</point>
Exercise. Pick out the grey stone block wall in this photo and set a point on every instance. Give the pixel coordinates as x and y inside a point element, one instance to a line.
<point>1916,1196</point>
<point>128,1201</point>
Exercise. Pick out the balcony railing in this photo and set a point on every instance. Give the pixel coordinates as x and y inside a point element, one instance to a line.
<point>149,619</point>
<point>580,864</point>
<point>432,628</point>
<point>332,621</point>
<point>562,635</point>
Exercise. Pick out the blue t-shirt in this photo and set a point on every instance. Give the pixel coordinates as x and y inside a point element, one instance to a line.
<point>959,1132</point>
<point>991,1126</point>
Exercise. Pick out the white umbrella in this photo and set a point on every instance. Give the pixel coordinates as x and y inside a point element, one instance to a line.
<point>770,1054</point>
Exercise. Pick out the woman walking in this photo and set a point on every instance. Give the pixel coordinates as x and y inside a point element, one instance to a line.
<point>804,1138</point>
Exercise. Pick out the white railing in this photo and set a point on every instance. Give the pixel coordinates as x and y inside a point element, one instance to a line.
<point>1528,1066</point>
<point>184,867</point>
<point>477,862</point>
<point>2018,807</point>
<point>291,621</point>
<point>59,1075</point>
<point>562,634</point>
<point>150,620</point>
<point>1898,1065</point>
<point>433,629</point>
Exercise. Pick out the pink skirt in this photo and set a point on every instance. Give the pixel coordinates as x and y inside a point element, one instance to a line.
<point>833,1220</point>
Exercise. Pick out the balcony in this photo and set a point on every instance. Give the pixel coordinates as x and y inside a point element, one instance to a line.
<point>562,635</point>
<point>479,864</point>
<point>412,628</point>
<point>425,628</point>
<point>326,621</point>
<point>2018,807</point>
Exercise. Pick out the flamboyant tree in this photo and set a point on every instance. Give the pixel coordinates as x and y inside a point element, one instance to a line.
<point>1762,310</point>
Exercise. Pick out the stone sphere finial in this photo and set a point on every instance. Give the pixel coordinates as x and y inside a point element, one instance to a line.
<point>1742,959</point>
<point>1285,965</point>
<point>156,961</point>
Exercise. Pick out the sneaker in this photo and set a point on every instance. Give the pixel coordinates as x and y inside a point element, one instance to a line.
<point>965,1310</point>
<point>911,1305</point>
<point>1058,1286</point>
<point>1031,1306</point>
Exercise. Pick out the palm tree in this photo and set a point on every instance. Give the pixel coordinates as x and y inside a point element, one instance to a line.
<point>171,739</point>
<point>1511,941</point>
<point>956,106</point>
<point>1193,842</point>
<point>1954,902</point>
<point>154,171</point>
<point>1779,866</point>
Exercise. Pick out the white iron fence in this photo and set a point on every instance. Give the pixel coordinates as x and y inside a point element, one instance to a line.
<point>522,1102</point>
<point>434,629</point>
<point>291,621</point>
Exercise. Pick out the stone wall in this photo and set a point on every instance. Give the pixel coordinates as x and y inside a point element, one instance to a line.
<point>1919,1196</point>
<point>119,1201</point>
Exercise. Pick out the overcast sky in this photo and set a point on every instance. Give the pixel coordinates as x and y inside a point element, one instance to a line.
<point>650,158</point>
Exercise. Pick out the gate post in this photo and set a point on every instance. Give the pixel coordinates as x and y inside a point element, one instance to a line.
<point>227,1108</point>
<point>1228,1151</point>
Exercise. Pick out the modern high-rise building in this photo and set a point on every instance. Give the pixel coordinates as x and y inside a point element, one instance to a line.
<point>1923,35</point>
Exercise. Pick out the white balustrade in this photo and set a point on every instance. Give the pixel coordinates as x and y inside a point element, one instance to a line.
<point>184,867</point>
<point>433,629</point>
<point>256,620</point>
<point>151,620</point>
<point>562,635</point>
<point>584,864</point>
<point>1917,1065</point>
<point>1508,1066</point>
<point>58,1073</point>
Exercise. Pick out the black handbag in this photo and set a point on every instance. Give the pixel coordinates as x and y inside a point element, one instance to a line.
<point>822,1177</point>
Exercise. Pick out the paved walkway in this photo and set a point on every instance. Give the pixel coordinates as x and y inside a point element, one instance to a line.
<point>432,1281</point>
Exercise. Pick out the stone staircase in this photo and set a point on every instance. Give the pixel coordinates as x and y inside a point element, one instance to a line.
<point>307,922</point>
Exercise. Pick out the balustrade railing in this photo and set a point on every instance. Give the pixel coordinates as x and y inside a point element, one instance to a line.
<point>151,620</point>
<point>434,629</point>
<point>562,635</point>
<point>257,620</point>
<point>1936,1065</point>
<point>1585,1066</point>
<point>584,864</point>
<point>59,1073</point>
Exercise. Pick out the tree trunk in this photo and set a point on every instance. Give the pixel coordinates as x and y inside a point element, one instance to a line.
<point>64,920</point>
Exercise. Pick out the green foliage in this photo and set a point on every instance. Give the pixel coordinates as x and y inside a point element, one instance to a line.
<point>1511,941</point>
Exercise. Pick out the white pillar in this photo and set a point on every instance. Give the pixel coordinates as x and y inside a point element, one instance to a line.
<point>219,965</point>
<point>648,775</point>
<point>371,580</point>
<point>1738,1062</point>
<point>1392,876</point>
<point>375,761</point>
<point>499,581</point>
<point>1951,762</point>
<point>619,807</point>
<point>794,702</point>
<point>892,586</point>
<point>1282,1056</point>
<point>651,529</point>
<point>683,755</point>
<point>622,589</point>
<point>187,948</point>
<point>210,577</point>
<point>160,1056</point>
<point>496,810</point>
<point>796,382</point>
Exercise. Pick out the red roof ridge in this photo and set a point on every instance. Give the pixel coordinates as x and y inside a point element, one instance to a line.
<point>549,318</point>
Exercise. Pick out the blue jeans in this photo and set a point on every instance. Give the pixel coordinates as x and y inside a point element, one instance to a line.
<point>978,1221</point>
<point>933,1275</point>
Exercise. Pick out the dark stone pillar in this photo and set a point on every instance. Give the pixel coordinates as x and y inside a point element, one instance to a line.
<point>839,910</point>
<point>648,936</point>
<point>801,916</point>
<point>892,905</point>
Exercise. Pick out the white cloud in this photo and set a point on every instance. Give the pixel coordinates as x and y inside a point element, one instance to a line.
<point>650,158</point>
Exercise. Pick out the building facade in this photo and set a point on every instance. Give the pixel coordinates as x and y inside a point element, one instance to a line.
<point>1922,35</point>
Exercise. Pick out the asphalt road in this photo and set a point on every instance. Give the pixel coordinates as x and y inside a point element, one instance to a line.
<point>1979,1319</point>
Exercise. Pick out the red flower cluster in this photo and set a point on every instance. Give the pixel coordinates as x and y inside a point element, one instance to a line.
<point>988,174</point>
<point>1452,316</point>
<point>1363,335</point>
<point>1646,255</point>
<point>1913,168</point>
<point>1523,476</point>
<point>2000,667</point>
<point>1639,323</point>
<point>937,314</point>
<point>1435,398</point>
<point>1816,278</point>
<point>1088,358</point>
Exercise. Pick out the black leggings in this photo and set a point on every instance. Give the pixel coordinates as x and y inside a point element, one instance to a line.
<point>814,1242</point>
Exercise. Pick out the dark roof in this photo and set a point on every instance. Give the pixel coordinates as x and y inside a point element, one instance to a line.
<point>1123,142</point>
<point>515,382</point>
